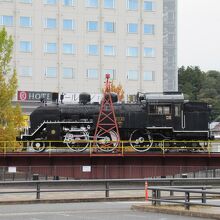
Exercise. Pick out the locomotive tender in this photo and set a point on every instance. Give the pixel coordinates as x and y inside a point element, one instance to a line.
<point>153,118</point>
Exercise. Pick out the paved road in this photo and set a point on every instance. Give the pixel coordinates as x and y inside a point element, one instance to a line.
<point>81,211</point>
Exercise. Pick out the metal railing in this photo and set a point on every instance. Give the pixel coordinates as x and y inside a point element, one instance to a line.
<point>157,198</point>
<point>110,185</point>
<point>123,147</point>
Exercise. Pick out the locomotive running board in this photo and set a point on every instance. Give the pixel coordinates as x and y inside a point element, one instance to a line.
<point>53,122</point>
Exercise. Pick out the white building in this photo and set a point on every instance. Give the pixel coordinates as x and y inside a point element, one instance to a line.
<point>69,45</point>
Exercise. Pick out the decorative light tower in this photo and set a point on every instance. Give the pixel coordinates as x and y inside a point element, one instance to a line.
<point>107,137</point>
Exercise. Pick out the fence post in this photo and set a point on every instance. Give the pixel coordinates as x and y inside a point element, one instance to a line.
<point>171,184</point>
<point>203,195</point>
<point>38,191</point>
<point>187,200</point>
<point>106,189</point>
<point>154,197</point>
<point>214,173</point>
<point>158,196</point>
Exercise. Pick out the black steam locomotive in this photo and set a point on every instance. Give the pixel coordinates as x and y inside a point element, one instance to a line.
<point>153,118</point>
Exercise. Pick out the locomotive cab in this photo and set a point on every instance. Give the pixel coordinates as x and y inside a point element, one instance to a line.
<point>164,110</point>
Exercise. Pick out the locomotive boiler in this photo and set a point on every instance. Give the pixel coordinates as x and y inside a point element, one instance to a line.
<point>153,118</point>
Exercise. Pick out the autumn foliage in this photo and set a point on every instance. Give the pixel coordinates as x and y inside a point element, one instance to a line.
<point>118,89</point>
<point>10,116</point>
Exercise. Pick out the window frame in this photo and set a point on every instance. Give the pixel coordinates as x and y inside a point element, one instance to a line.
<point>47,21</point>
<point>50,68</point>
<point>129,28</point>
<point>72,73</point>
<point>73,49</point>
<point>108,47</point>
<point>50,2</point>
<point>26,26</point>
<point>89,3</point>
<point>28,46</point>
<point>150,27</point>
<point>90,49</point>
<point>89,27</point>
<point>112,27</point>
<point>72,4</point>
<point>129,4</point>
<point>27,68</point>
<point>106,7</point>
<point>129,50</point>
<point>49,47</point>
<point>72,28</point>
<point>88,73</point>
<point>132,78</point>
<point>153,52</point>
<point>152,76</point>
<point>7,24</point>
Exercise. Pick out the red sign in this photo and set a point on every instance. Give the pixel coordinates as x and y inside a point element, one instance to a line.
<point>22,95</point>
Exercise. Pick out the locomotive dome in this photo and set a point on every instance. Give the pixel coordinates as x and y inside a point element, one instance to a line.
<point>84,98</point>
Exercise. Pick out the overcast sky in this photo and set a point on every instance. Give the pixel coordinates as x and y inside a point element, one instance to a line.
<point>199,33</point>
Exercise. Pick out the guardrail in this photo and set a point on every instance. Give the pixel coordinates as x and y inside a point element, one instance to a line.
<point>110,185</point>
<point>157,198</point>
<point>121,147</point>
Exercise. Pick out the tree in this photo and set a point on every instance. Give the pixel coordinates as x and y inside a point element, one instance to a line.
<point>200,86</point>
<point>118,89</point>
<point>190,81</point>
<point>10,116</point>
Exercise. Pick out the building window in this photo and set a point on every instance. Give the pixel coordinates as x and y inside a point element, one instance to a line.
<point>109,50</point>
<point>92,50</point>
<point>51,72</point>
<point>92,73</point>
<point>149,6</point>
<point>50,48</point>
<point>132,75</point>
<point>6,20</point>
<point>132,51</point>
<point>92,26</point>
<point>132,28</point>
<point>68,73</point>
<point>149,75</point>
<point>50,2</point>
<point>25,21</point>
<point>25,46</point>
<point>149,29</point>
<point>92,3</point>
<point>26,1</point>
<point>149,52</point>
<point>109,27</point>
<point>68,2</point>
<point>111,72</point>
<point>132,4</point>
<point>68,24</point>
<point>25,71</point>
<point>69,49</point>
<point>50,23</point>
<point>110,4</point>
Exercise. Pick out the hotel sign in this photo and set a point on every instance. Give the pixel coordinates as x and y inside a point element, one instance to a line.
<point>34,96</point>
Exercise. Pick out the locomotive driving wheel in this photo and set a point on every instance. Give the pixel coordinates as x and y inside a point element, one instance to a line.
<point>38,145</point>
<point>77,141</point>
<point>107,142</point>
<point>141,140</point>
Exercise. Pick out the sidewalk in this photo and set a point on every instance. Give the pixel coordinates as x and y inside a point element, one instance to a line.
<point>195,211</point>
